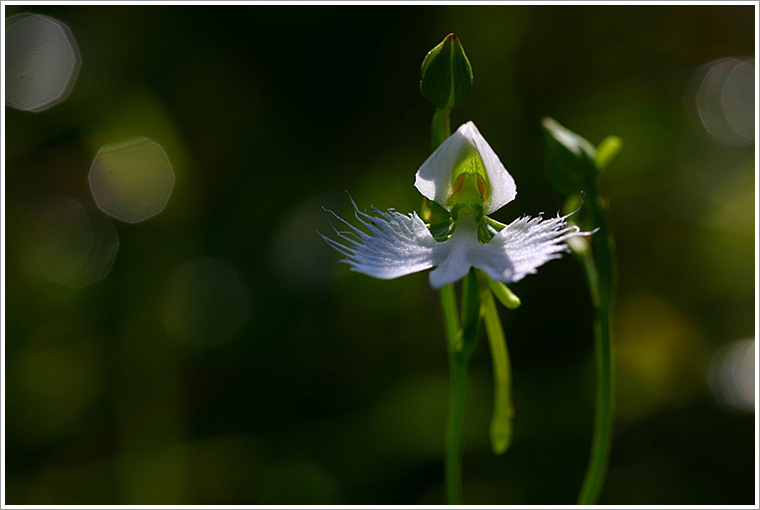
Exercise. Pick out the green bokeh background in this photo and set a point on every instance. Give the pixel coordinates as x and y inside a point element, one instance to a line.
<point>334,391</point>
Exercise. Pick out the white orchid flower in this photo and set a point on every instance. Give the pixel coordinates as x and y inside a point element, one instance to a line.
<point>466,177</point>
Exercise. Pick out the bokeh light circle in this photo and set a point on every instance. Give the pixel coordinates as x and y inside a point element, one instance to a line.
<point>42,62</point>
<point>131,180</point>
<point>732,376</point>
<point>738,99</point>
<point>723,93</point>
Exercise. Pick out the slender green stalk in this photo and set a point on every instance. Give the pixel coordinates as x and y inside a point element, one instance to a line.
<point>601,276</point>
<point>440,128</point>
<point>455,428</point>
<point>448,299</point>
<point>460,353</point>
<point>461,340</point>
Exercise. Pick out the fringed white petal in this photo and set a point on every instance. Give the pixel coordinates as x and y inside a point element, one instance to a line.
<point>434,178</point>
<point>526,244</point>
<point>396,245</point>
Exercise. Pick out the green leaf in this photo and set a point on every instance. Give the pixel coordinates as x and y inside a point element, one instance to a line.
<point>570,158</point>
<point>446,74</point>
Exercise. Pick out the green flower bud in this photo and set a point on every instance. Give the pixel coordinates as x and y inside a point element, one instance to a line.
<point>570,159</point>
<point>446,74</point>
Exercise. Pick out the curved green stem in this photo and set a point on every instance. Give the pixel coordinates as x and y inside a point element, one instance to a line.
<point>601,276</point>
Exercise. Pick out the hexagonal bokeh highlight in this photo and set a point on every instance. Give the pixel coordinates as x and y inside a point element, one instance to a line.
<point>41,62</point>
<point>131,181</point>
<point>725,100</point>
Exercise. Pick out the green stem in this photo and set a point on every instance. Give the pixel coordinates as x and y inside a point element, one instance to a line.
<point>461,339</point>
<point>601,275</point>
<point>440,128</point>
<point>455,428</point>
<point>457,397</point>
<point>448,299</point>
<point>460,350</point>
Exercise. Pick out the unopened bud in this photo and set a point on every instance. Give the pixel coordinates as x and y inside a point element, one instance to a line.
<point>446,74</point>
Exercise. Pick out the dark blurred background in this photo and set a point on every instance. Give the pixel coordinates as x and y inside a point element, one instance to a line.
<point>223,356</point>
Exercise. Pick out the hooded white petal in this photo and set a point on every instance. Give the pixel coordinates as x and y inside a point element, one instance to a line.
<point>516,251</point>
<point>397,244</point>
<point>434,178</point>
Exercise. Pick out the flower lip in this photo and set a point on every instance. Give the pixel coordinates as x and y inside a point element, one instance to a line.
<point>465,151</point>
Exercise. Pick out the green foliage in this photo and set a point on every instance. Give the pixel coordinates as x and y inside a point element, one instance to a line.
<point>572,165</point>
<point>572,162</point>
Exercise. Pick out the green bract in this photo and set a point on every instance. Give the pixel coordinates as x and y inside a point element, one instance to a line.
<point>570,159</point>
<point>446,74</point>
<point>607,150</point>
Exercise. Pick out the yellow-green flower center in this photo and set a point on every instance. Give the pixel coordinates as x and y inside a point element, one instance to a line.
<point>469,186</point>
